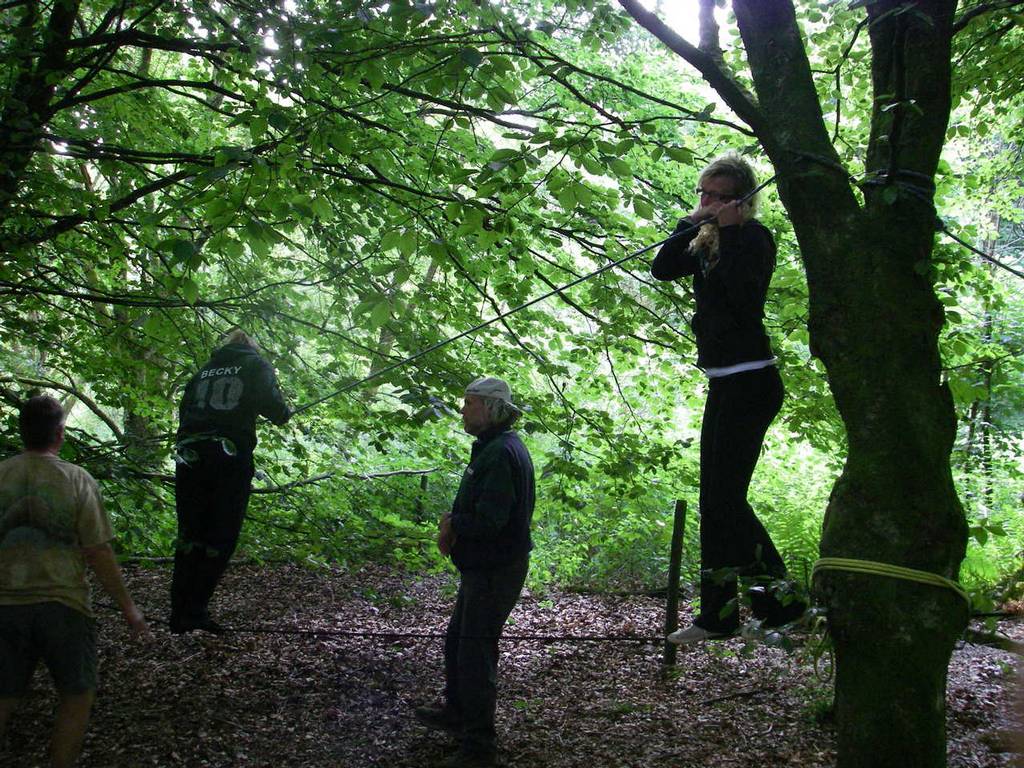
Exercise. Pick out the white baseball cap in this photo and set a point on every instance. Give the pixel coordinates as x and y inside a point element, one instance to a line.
<point>488,386</point>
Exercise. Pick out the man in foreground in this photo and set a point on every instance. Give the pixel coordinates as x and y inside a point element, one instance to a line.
<point>52,524</point>
<point>487,535</point>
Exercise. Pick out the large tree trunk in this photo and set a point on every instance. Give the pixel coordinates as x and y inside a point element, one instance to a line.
<point>41,62</point>
<point>894,503</point>
<point>875,323</point>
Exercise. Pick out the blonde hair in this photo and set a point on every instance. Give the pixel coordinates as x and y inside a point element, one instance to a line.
<point>735,168</point>
<point>238,336</point>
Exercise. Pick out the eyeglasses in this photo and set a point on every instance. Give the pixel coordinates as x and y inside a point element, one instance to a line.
<point>701,192</point>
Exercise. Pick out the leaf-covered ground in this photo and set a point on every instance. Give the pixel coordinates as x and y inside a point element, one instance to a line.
<point>278,699</point>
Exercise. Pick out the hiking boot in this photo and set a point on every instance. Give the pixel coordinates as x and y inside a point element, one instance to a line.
<point>785,614</point>
<point>470,759</point>
<point>206,624</point>
<point>696,634</point>
<point>440,719</point>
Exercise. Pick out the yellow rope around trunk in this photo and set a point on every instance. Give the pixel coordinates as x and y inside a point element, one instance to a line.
<point>885,569</point>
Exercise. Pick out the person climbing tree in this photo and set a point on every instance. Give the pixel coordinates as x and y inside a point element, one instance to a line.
<point>215,444</point>
<point>731,257</point>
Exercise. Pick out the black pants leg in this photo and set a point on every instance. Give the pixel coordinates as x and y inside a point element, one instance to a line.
<point>485,600</point>
<point>738,411</point>
<point>211,496</point>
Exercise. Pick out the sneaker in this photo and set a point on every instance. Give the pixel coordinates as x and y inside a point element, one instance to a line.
<point>439,718</point>
<point>695,634</point>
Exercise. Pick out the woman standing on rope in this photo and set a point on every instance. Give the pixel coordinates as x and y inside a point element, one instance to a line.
<point>731,257</point>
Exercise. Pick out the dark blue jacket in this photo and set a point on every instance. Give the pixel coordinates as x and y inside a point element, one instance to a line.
<point>226,395</point>
<point>493,509</point>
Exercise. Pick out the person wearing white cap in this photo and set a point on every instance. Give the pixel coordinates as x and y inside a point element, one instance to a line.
<point>487,535</point>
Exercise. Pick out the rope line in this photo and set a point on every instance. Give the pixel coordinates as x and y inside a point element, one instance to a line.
<point>819,644</point>
<point>441,635</point>
<point>941,225</point>
<point>655,639</point>
<point>514,310</point>
<point>480,326</point>
<point>852,565</point>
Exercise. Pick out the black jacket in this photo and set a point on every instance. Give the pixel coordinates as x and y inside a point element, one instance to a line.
<point>227,394</point>
<point>493,509</point>
<point>729,320</point>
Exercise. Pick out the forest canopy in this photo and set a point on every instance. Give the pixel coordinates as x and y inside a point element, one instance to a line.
<point>355,182</point>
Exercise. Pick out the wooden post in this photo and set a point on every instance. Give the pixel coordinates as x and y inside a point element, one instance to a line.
<point>418,505</point>
<point>674,566</point>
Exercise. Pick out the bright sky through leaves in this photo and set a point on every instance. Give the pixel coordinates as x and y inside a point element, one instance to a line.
<point>681,15</point>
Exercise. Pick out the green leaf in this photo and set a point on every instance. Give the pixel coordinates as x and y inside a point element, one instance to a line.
<point>374,76</point>
<point>705,114</point>
<point>680,154</point>
<point>217,208</point>
<point>593,166</point>
<point>391,240</point>
<point>364,306</point>
<point>471,57</point>
<point>189,290</point>
<point>183,250</point>
<point>232,248</point>
<point>407,245</point>
<point>381,313</point>
<point>321,207</point>
<point>566,198</point>
<point>257,129</point>
<point>504,155</point>
<point>621,168</point>
<point>643,208</point>
<point>584,195</point>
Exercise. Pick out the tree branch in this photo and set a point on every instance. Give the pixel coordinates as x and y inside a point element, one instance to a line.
<point>91,404</point>
<point>970,14</point>
<point>165,478</point>
<point>738,98</point>
<point>66,223</point>
<point>994,640</point>
<point>141,85</point>
<point>135,38</point>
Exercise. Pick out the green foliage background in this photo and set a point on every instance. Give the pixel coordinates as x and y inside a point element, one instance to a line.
<point>355,181</point>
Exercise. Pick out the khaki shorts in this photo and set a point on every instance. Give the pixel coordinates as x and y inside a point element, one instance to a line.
<point>62,637</point>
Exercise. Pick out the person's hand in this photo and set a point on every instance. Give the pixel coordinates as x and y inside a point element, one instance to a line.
<point>730,214</point>
<point>445,536</point>
<point>137,624</point>
<point>703,213</point>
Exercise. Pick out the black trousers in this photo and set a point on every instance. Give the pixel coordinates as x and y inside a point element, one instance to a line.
<point>737,413</point>
<point>485,600</point>
<point>211,496</point>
